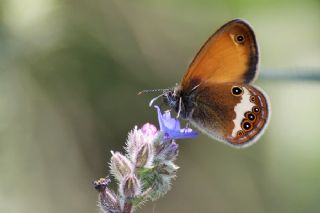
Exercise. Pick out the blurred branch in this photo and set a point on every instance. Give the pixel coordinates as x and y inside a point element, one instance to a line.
<point>291,75</point>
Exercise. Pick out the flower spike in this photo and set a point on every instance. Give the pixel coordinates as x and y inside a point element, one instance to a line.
<point>146,170</point>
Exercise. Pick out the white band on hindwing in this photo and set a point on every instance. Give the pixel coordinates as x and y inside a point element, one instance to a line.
<point>240,109</point>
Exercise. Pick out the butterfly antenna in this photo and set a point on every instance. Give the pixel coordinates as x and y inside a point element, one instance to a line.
<point>151,90</point>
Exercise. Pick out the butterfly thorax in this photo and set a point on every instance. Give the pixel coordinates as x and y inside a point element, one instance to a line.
<point>182,102</point>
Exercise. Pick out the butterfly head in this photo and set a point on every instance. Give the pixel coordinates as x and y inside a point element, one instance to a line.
<point>171,98</point>
<point>177,100</point>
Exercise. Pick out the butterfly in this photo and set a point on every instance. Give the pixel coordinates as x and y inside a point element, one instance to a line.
<point>216,94</point>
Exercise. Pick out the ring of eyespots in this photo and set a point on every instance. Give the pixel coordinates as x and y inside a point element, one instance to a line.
<point>246,125</point>
<point>250,116</point>
<point>252,99</point>
<point>236,91</point>
<point>240,133</point>
<point>256,109</point>
<point>239,38</point>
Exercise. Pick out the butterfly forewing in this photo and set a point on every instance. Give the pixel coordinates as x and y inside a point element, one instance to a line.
<point>229,55</point>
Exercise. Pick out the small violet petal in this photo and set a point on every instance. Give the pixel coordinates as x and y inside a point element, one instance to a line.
<point>171,127</point>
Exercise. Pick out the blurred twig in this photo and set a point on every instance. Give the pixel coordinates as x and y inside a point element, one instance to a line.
<point>291,75</point>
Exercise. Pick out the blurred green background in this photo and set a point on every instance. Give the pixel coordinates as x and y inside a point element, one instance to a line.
<point>69,74</point>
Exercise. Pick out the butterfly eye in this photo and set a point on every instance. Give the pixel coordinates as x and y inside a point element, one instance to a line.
<point>239,39</point>
<point>246,125</point>
<point>250,116</point>
<point>256,109</point>
<point>236,91</point>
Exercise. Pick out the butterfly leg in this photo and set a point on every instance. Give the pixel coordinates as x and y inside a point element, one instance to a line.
<point>186,129</point>
<point>180,105</point>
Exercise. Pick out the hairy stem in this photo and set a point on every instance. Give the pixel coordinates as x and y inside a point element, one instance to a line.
<point>127,206</point>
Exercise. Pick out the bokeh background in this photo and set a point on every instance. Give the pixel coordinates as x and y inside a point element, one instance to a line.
<point>69,74</point>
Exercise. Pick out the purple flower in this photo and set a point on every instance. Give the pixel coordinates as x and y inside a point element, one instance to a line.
<point>171,127</point>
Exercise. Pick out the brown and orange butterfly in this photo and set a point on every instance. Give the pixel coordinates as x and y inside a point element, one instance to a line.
<point>216,93</point>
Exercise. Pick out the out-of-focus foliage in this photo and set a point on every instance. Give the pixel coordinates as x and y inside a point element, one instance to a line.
<point>69,74</point>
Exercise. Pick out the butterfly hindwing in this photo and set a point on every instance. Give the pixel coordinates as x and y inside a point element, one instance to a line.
<point>235,113</point>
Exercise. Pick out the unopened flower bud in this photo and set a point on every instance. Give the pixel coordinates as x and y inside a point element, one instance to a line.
<point>134,141</point>
<point>120,165</point>
<point>167,151</point>
<point>169,169</point>
<point>108,201</point>
<point>149,131</point>
<point>130,186</point>
<point>144,156</point>
<point>158,142</point>
<point>101,184</point>
<point>138,138</point>
<point>171,151</point>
